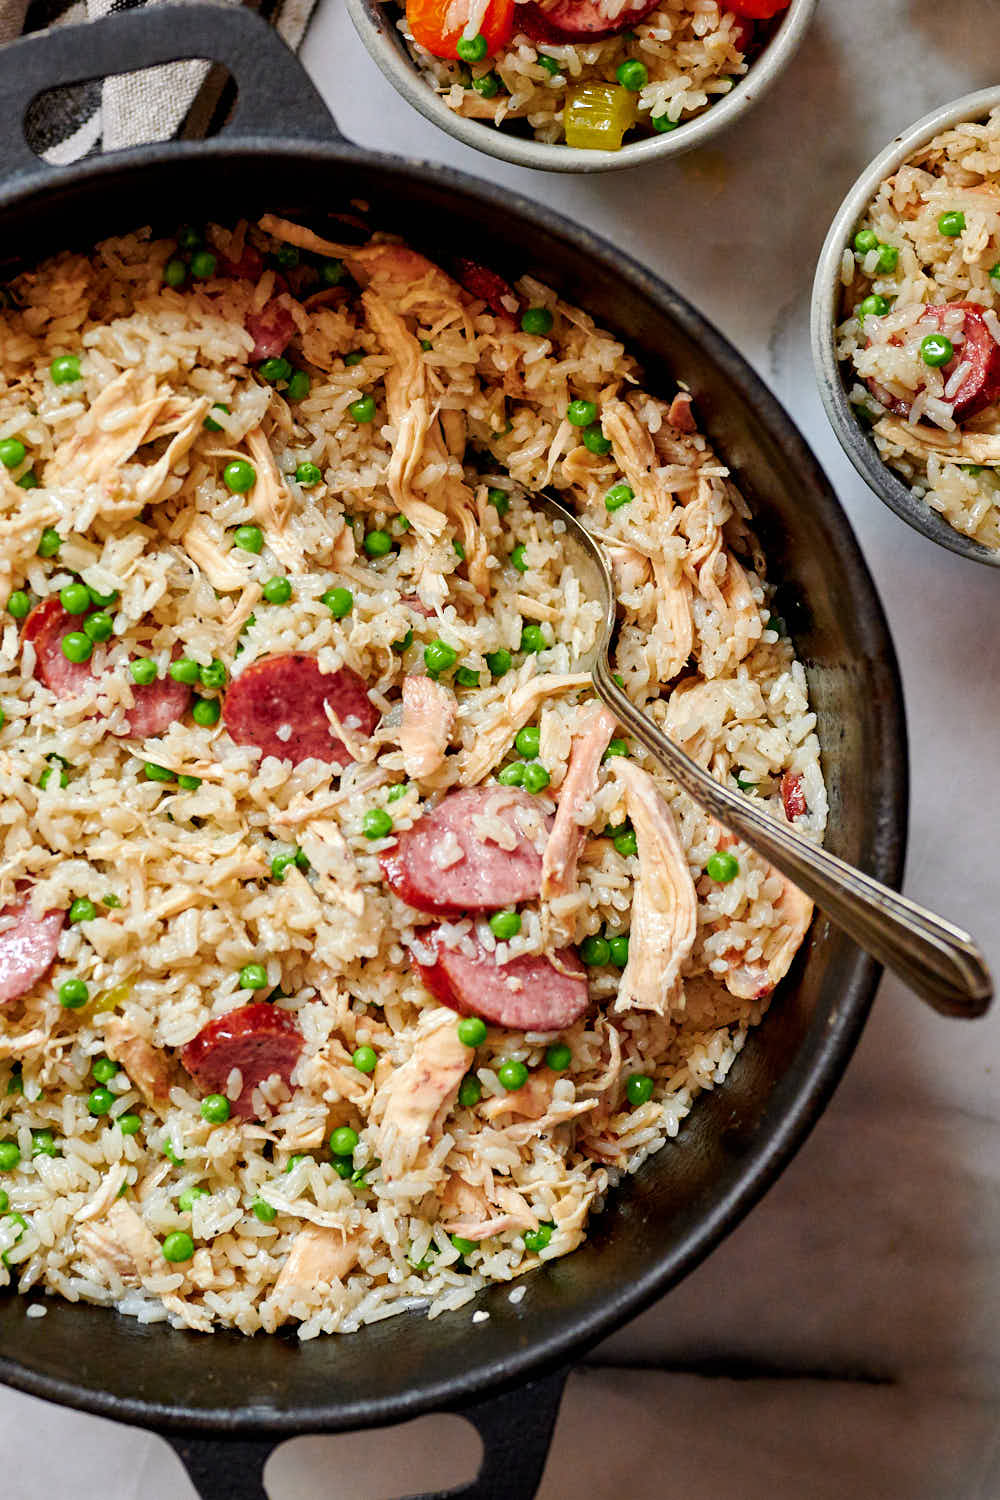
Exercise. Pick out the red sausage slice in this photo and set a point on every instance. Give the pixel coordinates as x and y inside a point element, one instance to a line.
<point>981,387</point>
<point>28,947</point>
<point>278,704</point>
<point>479,281</point>
<point>45,627</point>
<point>577,20</point>
<point>758,10</point>
<point>249,267</point>
<point>258,1039</point>
<point>793,798</point>
<point>486,876</point>
<point>528,994</point>
<point>155,707</point>
<point>271,329</point>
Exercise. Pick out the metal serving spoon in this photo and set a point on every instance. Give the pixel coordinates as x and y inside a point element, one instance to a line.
<point>939,961</point>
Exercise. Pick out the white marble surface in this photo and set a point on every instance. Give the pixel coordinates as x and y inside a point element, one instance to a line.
<point>863,1295</point>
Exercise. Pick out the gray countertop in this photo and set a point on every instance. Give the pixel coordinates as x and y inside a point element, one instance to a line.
<point>845,1340</point>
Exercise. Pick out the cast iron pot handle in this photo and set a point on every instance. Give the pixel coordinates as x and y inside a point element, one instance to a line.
<point>275,94</point>
<point>515,1428</point>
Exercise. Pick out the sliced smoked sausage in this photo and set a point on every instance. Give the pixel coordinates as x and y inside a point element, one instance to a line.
<point>279,704</point>
<point>577,20</point>
<point>271,330</point>
<point>28,946</point>
<point>531,993</point>
<point>259,1039</point>
<point>981,386</point>
<point>447,863</point>
<point>45,627</point>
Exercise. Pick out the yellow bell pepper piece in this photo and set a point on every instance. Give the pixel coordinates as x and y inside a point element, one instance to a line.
<point>111,999</point>
<point>597,115</point>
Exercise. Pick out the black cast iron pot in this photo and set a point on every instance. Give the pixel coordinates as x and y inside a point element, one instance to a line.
<point>226,1403</point>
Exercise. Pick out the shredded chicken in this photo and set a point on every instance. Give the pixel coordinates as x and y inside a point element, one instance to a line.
<point>239,615</point>
<point>529,1102</point>
<point>148,1067</point>
<point>755,980</point>
<point>954,447</point>
<point>466,1210</point>
<point>697,712</point>
<point>429,713</point>
<point>664,903</point>
<point>334,867</point>
<point>107,1194</point>
<point>495,733</point>
<point>186,423</point>
<point>679,413</point>
<point>630,568</point>
<point>408,410</point>
<point>108,434</point>
<point>272,502</point>
<point>135,1239</point>
<point>562,848</point>
<point>409,1108</point>
<point>318,1256</point>
<point>332,1075</point>
<point>223,571</point>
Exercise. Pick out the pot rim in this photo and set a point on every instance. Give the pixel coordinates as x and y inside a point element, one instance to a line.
<point>859,447</point>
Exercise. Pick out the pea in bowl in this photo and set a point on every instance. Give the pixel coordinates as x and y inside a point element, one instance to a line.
<point>581,85</point>
<point>905,326</point>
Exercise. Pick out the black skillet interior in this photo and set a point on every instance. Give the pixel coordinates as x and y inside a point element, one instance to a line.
<point>679,1205</point>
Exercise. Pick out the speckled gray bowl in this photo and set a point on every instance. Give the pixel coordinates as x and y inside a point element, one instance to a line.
<point>854,438</point>
<point>377,29</point>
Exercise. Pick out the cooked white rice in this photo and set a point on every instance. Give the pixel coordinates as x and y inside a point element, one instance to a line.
<point>192,899</point>
<point>952,463</point>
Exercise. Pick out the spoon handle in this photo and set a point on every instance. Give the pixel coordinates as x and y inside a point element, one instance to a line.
<point>938,961</point>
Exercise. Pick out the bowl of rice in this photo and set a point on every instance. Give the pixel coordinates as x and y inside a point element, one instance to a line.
<point>582,85</point>
<point>906,326</point>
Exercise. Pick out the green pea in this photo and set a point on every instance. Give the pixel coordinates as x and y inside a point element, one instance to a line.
<point>472,49</point>
<point>403,644</point>
<point>214,675</point>
<point>626,843</point>
<point>722,867</point>
<point>65,369</point>
<point>274,369</point>
<point>76,646</point>
<point>265,1212</point>
<point>253,977</point>
<point>331,273</point>
<point>936,350</point>
<point>533,639</point>
<point>293,1162</point>
<point>206,711</point>
<point>308,475</point>
<point>29,481</point>
<point>363,410</point>
<point>467,677</point>
<point>215,1108</point>
<point>129,1124</point>
<point>618,495</point>
<point>595,441</point>
<point>663,123</point>
<point>50,543</point>
<point>462,1245</point>
<point>10,1155</point>
<point>47,775</point>
<point>459,551</point>
<point>888,259</point>
<point>75,598</point>
<point>175,272</point>
<point>426,345</point>
<point>19,604</point>
<point>144,671</point>
<point>111,901</point>
<point>376,823</point>
<point>639,1089</point>
<point>15,1083</point>
<point>282,862</point>
<point>536,320</point>
<point>43,1143</point>
<point>12,452</point>
<point>287,256</point>
<point>339,602</point>
<point>344,1169</point>
<point>512,775</point>
<point>488,86</point>
<point>528,740</point>
<point>512,1075</point>
<point>364,1059</point>
<point>82,910</point>
<point>558,1057</point>
<point>172,1154</point>
<point>102,601</point>
<point>536,778</point>
<point>210,424</point>
<point>99,626</point>
<point>505,924</point>
<point>618,950</point>
<point>100,1101</point>
<point>439,656</point>
<point>499,662</point>
<point>203,264</point>
<point>951,224</point>
<point>153,772</point>
<point>971,468</point>
<point>178,1247</point>
<point>538,1239</point>
<point>499,499</point>
<point>377,543</point>
<point>616,747</point>
<point>595,952</point>
<point>632,75</point>
<point>189,1198</point>
<point>189,238</point>
<point>240,476</point>
<point>344,1141</point>
<point>73,993</point>
<point>471,1031</point>
<point>581,413</point>
<point>552,68</point>
<point>354,358</point>
<point>184,670</point>
<point>470,1091</point>
<point>104,1069</point>
<point>398,791</point>
<point>517,558</point>
<point>874,306</point>
<point>298,386</point>
<point>865,240</point>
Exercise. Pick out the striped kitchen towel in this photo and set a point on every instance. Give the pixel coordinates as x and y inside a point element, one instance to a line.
<point>180,99</point>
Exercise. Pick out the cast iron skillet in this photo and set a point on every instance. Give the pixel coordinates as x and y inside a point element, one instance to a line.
<point>506,1374</point>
